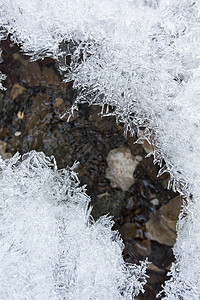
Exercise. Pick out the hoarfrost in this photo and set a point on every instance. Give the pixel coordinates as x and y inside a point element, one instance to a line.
<point>142,59</point>
<point>50,246</point>
<point>139,57</point>
<point>2,76</point>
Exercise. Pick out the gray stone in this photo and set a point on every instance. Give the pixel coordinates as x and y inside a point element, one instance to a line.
<point>161,226</point>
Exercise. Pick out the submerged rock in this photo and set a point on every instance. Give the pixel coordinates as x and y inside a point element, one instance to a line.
<point>121,165</point>
<point>16,91</point>
<point>3,153</point>
<point>161,227</point>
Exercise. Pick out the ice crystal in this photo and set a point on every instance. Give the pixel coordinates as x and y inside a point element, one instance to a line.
<point>140,58</point>
<point>50,246</point>
<point>2,76</point>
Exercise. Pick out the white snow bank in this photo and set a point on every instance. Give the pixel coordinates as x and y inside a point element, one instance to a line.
<point>50,248</point>
<point>140,57</point>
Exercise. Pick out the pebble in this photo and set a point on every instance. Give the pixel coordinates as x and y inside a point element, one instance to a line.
<point>16,91</point>
<point>155,201</point>
<point>3,153</point>
<point>161,226</point>
<point>18,133</point>
<point>121,165</point>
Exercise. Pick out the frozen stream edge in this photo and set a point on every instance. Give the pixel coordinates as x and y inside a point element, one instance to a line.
<point>51,248</point>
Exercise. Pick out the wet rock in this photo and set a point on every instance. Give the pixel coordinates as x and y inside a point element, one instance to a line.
<point>20,58</point>
<point>153,268</point>
<point>3,152</point>
<point>168,268</point>
<point>161,226</point>
<point>108,203</point>
<point>155,278</point>
<point>161,255</point>
<point>41,106</point>
<point>34,75</point>
<point>49,77</point>
<point>58,102</point>
<point>130,203</point>
<point>121,165</point>
<point>143,247</point>
<point>146,145</point>
<point>148,148</point>
<point>150,169</point>
<point>129,231</point>
<point>137,249</point>
<point>16,91</point>
<point>4,132</point>
<point>155,201</point>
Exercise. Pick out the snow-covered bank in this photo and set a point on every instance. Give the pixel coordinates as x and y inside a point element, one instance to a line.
<point>50,246</point>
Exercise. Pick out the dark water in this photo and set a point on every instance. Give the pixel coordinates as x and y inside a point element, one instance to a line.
<point>30,118</point>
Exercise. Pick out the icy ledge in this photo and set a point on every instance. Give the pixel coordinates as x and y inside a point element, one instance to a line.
<point>50,248</point>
